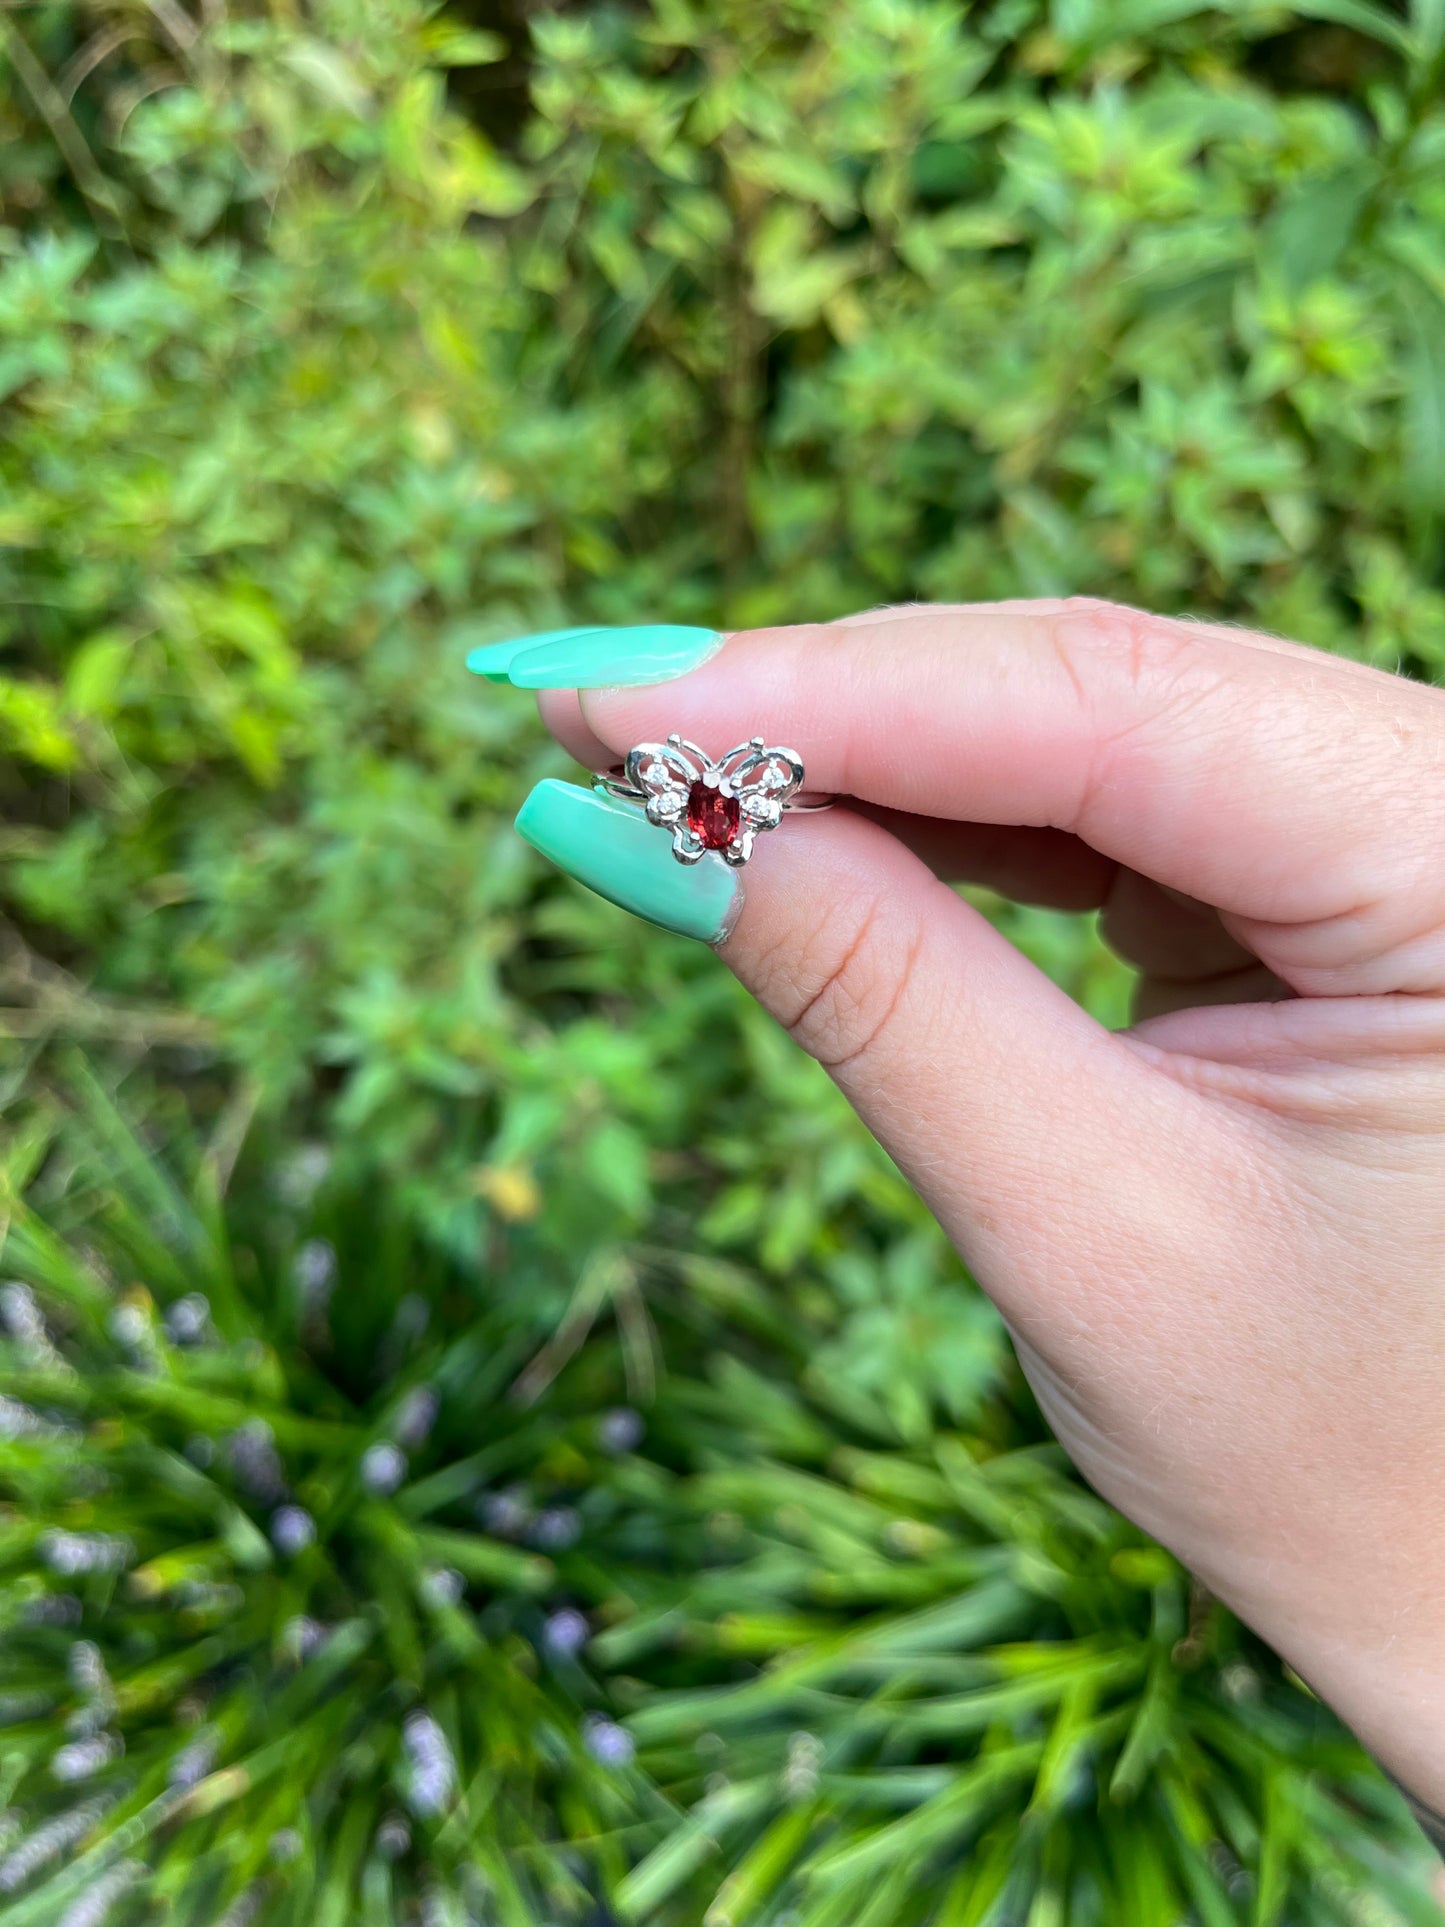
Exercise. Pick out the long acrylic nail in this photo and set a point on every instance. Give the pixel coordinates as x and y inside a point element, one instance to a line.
<point>599,658</point>
<point>494,659</point>
<point>610,846</point>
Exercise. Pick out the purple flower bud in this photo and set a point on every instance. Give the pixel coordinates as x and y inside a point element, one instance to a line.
<point>301,1637</point>
<point>130,1326</point>
<point>21,1315</point>
<point>431,1768</point>
<point>393,1837</point>
<point>555,1528</point>
<point>566,1633</point>
<point>383,1467</point>
<point>186,1320</point>
<point>82,1759</point>
<point>72,1552</point>
<point>47,1842</point>
<point>94,1906</point>
<point>292,1530</point>
<point>444,1587</point>
<point>506,1514</point>
<point>87,1671</point>
<point>195,1759</point>
<point>620,1430</point>
<point>314,1270</point>
<point>17,1421</point>
<point>415,1418</point>
<point>255,1461</point>
<point>607,1742</point>
<point>55,1609</point>
<point>299,1178</point>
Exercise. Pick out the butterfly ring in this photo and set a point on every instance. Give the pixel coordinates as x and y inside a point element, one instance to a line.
<point>711,805</point>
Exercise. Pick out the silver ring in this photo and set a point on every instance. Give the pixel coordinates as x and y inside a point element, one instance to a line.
<point>719,805</point>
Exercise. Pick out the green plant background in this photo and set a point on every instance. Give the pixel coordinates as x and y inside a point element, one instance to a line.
<point>484,1436</point>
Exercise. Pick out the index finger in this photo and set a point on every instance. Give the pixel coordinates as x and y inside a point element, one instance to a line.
<point>1301,795</point>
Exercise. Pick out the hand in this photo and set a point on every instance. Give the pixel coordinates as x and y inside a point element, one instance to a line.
<point>1218,1238</point>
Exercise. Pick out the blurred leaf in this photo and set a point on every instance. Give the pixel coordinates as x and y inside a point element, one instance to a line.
<point>1314,224</point>
<point>1425,402</point>
<point>1370,20</point>
<point>1427,22</point>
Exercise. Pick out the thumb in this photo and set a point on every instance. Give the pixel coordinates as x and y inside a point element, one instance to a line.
<point>1038,1139</point>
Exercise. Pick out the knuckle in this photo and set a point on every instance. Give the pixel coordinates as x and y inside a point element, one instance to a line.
<point>849,981</point>
<point>1090,632</point>
<point>1088,607</point>
<point>1134,671</point>
<point>1137,680</point>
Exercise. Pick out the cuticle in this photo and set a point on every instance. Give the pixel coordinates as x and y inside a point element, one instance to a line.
<point>730,920</point>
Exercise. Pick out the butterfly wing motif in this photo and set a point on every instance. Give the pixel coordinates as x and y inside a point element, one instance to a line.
<point>750,786</point>
<point>665,774</point>
<point>763,780</point>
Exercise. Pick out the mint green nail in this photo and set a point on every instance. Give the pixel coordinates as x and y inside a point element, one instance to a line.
<point>494,659</point>
<point>597,658</point>
<point>610,846</point>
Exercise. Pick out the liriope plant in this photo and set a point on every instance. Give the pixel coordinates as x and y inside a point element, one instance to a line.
<point>334,1590</point>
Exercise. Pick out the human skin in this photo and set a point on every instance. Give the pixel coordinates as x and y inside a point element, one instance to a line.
<point>1218,1238</point>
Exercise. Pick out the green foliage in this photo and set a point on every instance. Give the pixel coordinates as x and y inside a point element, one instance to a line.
<point>778,308</point>
<point>327,1569</point>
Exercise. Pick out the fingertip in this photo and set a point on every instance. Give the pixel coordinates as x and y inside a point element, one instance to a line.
<point>561,713</point>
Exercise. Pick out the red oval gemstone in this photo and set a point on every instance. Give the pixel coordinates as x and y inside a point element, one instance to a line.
<point>712,817</point>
